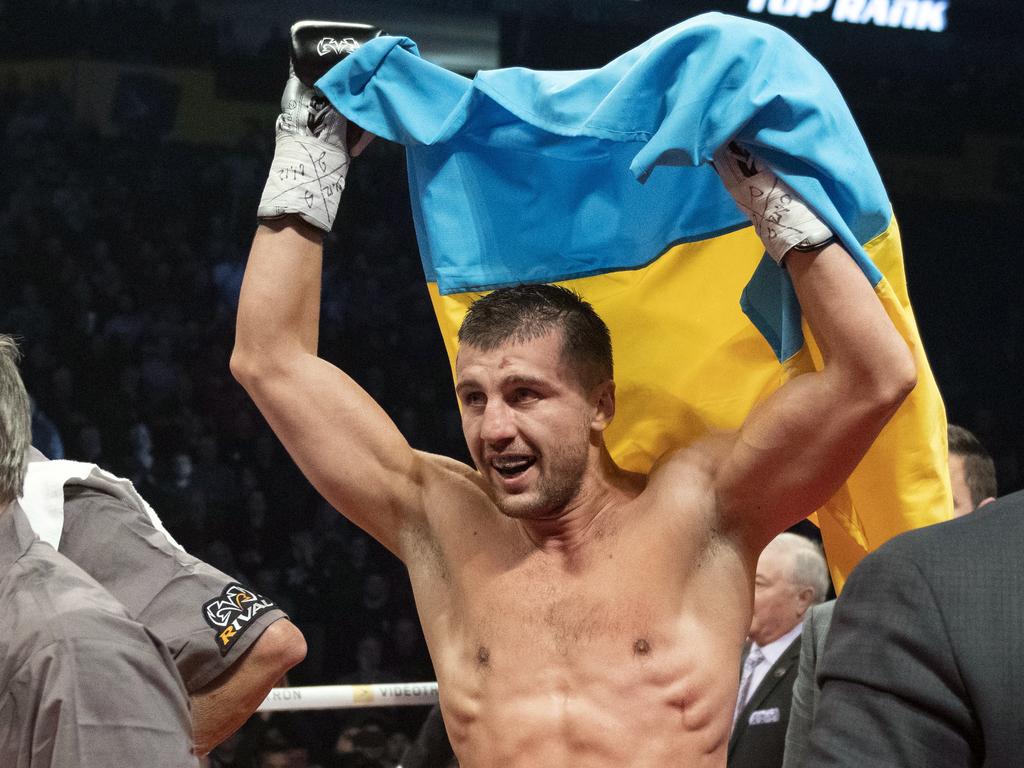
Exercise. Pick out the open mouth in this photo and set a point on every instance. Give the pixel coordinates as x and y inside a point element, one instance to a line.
<point>511,467</point>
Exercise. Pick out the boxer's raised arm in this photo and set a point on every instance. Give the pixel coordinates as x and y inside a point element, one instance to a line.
<point>796,448</point>
<point>341,439</point>
<point>344,443</point>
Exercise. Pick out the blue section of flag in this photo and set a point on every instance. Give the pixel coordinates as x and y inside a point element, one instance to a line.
<point>526,176</point>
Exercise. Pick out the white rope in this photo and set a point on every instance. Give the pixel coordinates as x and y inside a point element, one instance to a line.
<point>349,696</point>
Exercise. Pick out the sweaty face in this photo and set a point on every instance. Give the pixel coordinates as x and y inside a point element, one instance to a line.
<point>527,424</point>
<point>777,603</point>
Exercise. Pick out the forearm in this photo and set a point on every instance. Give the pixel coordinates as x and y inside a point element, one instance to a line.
<point>220,709</point>
<point>279,305</point>
<point>861,348</point>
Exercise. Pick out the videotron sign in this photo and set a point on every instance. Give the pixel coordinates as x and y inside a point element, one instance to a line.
<point>922,15</point>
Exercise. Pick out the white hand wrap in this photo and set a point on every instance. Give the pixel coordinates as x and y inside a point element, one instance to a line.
<point>781,219</point>
<point>311,160</point>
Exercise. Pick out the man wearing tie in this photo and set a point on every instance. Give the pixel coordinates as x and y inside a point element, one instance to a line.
<point>791,577</point>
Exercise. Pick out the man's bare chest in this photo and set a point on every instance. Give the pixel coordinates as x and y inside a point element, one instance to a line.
<point>536,605</point>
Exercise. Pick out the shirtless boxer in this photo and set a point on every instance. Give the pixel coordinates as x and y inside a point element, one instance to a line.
<point>578,615</point>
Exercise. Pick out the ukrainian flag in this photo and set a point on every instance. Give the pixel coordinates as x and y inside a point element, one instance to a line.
<point>600,180</point>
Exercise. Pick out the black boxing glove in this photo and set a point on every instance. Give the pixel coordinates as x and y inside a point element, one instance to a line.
<point>312,154</point>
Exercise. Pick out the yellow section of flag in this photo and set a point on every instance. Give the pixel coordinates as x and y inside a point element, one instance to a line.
<point>689,362</point>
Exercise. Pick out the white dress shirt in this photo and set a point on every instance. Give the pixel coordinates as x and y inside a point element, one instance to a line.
<point>771,652</point>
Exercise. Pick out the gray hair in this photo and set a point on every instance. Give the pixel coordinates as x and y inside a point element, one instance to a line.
<point>807,563</point>
<point>15,423</point>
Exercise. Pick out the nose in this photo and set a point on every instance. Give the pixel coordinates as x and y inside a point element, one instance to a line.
<point>498,428</point>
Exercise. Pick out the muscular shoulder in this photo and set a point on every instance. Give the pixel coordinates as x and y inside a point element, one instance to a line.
<point>684,478</point>
<point>447,469</point>
<point>450,488</point>
<point>453,494</point>
<point>680,492</point>
<point>448,483</point>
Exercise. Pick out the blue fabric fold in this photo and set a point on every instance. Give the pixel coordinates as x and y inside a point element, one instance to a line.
<point>527,176</point>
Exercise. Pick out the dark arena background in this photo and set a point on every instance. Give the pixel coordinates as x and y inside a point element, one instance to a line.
<point>136,136</point>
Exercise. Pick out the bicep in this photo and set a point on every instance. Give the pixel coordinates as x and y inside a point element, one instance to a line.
<point>792,454</point>
<point>344,443</point>
<point>797,447</point>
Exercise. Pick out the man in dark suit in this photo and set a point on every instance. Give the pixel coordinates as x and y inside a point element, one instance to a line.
<point>791,577</point>
<point>972,475</point>
<point>924,663</point>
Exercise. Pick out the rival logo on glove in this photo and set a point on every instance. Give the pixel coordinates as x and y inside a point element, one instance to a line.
<point>328,46</point>
<point>233,612</point>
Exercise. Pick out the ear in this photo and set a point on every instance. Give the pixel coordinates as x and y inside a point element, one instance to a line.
<point>602,397</point>
<point>805,597</point>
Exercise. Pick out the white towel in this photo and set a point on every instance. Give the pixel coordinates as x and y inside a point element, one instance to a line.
<point>43,500</point>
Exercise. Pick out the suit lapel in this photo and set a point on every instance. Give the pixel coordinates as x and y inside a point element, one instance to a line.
<point>764,689</point>
<point>778,671</point>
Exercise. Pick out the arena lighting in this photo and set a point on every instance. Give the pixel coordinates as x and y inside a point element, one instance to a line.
<point>919,15</point>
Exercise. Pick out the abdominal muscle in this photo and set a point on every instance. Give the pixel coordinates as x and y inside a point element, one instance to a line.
<point>610,701</point>
<point>623,653</point>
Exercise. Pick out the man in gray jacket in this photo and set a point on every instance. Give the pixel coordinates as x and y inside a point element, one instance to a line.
<point>81,683</point>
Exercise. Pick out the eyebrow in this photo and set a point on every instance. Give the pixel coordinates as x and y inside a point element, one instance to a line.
<point>516,379</point>
<point>524,380</point>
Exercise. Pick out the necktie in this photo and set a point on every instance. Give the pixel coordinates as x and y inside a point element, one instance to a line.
<point>754,658</point>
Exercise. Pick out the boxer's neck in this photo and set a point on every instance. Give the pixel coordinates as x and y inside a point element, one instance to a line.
<point>605,488</point>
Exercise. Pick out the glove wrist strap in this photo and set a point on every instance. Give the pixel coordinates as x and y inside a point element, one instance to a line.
<point>781,219</point>
<point>307,177</point>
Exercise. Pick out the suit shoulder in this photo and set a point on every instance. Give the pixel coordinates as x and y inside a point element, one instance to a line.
<point>821,614</point>
<point>993,529</point>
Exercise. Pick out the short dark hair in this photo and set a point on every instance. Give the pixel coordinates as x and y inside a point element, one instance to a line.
<point>979,469</point>
<point>527,312</point>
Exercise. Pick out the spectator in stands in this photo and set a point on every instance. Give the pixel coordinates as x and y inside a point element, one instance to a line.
<point>972,473</point>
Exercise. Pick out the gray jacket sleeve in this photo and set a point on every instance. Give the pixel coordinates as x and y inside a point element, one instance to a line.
<point>801,712</point>
<point>173,593</point>
<point>805,687</point>
<point>102,702</point>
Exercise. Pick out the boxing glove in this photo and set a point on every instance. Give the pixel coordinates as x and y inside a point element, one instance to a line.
<point>312,152</point>
<point>781,219</point>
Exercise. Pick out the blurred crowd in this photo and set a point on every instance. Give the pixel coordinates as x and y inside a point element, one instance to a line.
<point>122,270</point>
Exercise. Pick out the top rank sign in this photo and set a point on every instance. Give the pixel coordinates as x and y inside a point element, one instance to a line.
<point>920,15</point>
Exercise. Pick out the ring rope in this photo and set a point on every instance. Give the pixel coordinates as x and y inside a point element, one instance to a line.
<point>349,696</point>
